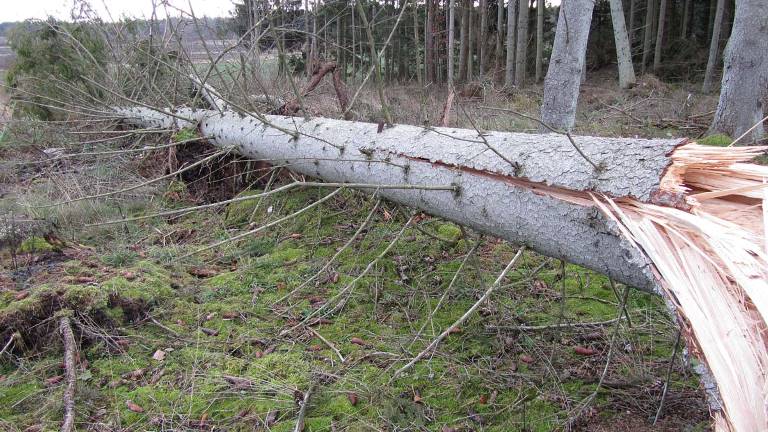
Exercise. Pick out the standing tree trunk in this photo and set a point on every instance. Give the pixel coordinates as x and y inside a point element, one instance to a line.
<point>429,47</point>
<point>451,19</point>
<point>648,31</point>
<point>541,6</point>
<point>623,50</point>
<point>499,54</point>
<point>470,41</point>
<point>522,43</point>
<point>561,85</point>
<point>416,39</point>
<point>509,72</point>
<point>714,47</point>
<point>660,36</point>
<point>463,42</point>
<point>686,19</point>
<point>744,88</point>
<point>482,40</point>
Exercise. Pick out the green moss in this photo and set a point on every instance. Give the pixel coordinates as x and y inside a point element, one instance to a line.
<point>185,134</point>
<point>449,231</point>
<point>240,212</point>
<point>717,140</point>
<point>35,244</point>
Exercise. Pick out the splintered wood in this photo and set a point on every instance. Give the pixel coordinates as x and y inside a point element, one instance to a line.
<point>713,264</point>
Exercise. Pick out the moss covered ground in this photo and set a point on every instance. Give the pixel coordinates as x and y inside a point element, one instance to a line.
<point>219,340</point>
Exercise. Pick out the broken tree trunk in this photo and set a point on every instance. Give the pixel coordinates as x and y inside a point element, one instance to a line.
<point>665,216</point>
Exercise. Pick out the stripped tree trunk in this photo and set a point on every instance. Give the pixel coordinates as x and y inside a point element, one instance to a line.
<point>540,7</point>
<point>744,89</point>
<point>561,86</point>
<point>714,47</point>
<point>633,217</point>
<point>522,42</point>
<point>623,50</point>
<point>509,71</point>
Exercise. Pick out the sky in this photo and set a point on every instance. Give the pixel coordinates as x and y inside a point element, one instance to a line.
<point>19,10</point>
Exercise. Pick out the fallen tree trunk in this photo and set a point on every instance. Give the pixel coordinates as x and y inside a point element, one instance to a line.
<point>664,216</point>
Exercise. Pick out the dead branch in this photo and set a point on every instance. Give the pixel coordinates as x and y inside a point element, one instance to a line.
<point>68,337</point>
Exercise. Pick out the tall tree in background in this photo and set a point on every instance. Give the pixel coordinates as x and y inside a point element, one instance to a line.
<point>648,32</point>
<point>499,54</point>
<point>522,42</point>
<point>659,35</point>
<point>451,20</point>
<point>541,6</point>
<point>744,88</point>
<point>509,75</point>
<point>686,19</point>
<point>714,47</point>
<point>561,85</point>
<point>623,50</point>
<point>463,41</point>
<point>482,40</point>
<point>429,40</point>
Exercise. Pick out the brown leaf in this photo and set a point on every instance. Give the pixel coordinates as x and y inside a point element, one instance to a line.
<point>358,341</point>
<point>352,398</point>
<point>129,275</point>
<point>483,399</point>
<point>525,358</point>
<point>159,355</point>
<point>134,407</point>
<point>209,331</point>
<point>123,343</point>
<point>21,295</point>
<point>258,354</point>
<point>296,236</point>
<point>334,277</point>
<point>202,272</point>
<point>85,279</point>
<point>270,349</point>
<point>454,329</point>
<point>315,348</point>
<point>585,351</point>
<point>53,380</point>
<point>134,374</point>
<point>494,395</point>
<point>280,286</point>
<point>210,316</point>
<point>229,315</point>
<point>447,428</point>
<point>387,215</point>
<point>417,397</point>
<point>271,417</point>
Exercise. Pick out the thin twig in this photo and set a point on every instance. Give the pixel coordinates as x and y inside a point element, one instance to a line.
<point>464,317</point>
<point>69,368</point>
<point>303,410</point>
<point>554,326</point>
<point>666,380</point>
<point>327,342</point>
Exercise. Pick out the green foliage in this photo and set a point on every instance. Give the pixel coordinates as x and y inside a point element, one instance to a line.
<point>717,140</point>
<point>48,52</point>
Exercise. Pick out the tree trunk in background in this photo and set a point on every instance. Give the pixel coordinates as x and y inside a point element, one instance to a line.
<point>429,39</point>
<point>711,17</point>
<point>686,19</point>
<point>416,38</point>
<point>451,20</point>
<point>714,48</point>
<point>648,32</point>
<point>632,30</point>
<point>482,40</point>
<point>744,88</point>
<point>541,6</point>
<point>463,41</point>
<point>470,41</point>
<point>623,51</point>
<point>660,35</point>
<point>499,54</point>
<point>509,71</point>
<point>561,85</point>
<point>522,42</point>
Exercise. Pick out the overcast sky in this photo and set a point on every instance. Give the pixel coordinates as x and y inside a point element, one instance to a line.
<point>18,10</point>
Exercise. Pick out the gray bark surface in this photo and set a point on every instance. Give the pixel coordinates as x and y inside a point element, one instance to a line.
<point>519,203</point>
<point>563,79</point>
<point>659,35</point>
<point>648,31</point>
<point>623,50</point>
<point>483,39</point>
<point>744,89</point>
<point>540,7</point>
<point>509,72</point>
<point>521,56</point>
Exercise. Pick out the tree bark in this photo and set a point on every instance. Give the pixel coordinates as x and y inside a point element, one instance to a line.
<point>499,54</point>
<point>464,42</point>
<point>541,6</point>
<point>631,30</point>
<point>470,41</point>
<point>450,54</point>
<point>509,71</point>
<point>623,50</point>
<point>68,338</point>
<point>686,19</point>
<point>561,85</point>
<point>522,42</point>
<point>660,35</point>
<point>429,40</point>
<point>714,48</point>
<point>744,89</point>
<point>416,42</point>
<point>648,31</point>
<point>482,40</point>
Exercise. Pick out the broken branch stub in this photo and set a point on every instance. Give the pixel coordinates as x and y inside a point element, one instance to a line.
<point>664,215</point>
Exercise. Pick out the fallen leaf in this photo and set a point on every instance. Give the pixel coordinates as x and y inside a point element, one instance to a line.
<point>134,374</point>
<point>134,407</point>
<point>280,286</point>
<point>494,395</point>
<point>358,341</point>
<point>123,343</point>
<point>53,380</point>
<point>447,429</point>
<point>210,316</point>
<point>271,417</point>
<point>585,351</point>
<point>416,397</point>
<point>85,279</point>
<point>229,315</point>
<point>270,349</point>
<point>209,332</point>
<point>296,236</point>
<point>129,275</point>
<point>159,355</point>
<point>387,215</point>
<point>483,399</point>
<point>352,398</point>
<point>258,354</point>
<point>315,348</point>
<point>21,295</point>
<point>525,358</point>
<point>202,272</point>
<point>454,329</point>
<point>475,417</point>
